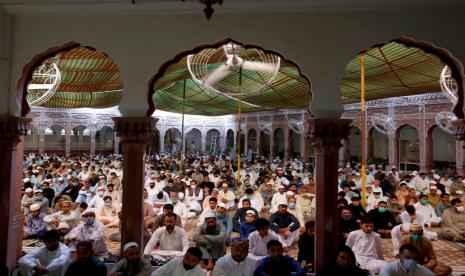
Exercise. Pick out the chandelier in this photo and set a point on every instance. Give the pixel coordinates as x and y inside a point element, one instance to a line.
<point>208,9</point>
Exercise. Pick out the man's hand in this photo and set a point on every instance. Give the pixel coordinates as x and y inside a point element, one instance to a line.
<point>40,270</point>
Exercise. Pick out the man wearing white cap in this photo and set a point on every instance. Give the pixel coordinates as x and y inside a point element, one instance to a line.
<point>132,263</point>
<point>397,232</point>
<point>65,215</point>
<point>97,200</point>
<point>171,240</point>
<point>285,225</point>
<point>91,230</point>
<point>373,200</point>
<point>223,218</point>
<point>278,197</point>
<point>35,225</point>
<point>226,196</point>
<point>41,200</point>
<point>27,200</point>
<point>210,238</point>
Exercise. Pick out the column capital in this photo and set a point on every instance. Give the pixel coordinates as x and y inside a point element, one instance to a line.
<point>327,132</point>
<point>11,128</point>
<point>459,129</point>
<point>135,130</point>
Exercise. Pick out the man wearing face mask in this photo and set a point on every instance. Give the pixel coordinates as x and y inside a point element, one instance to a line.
<point>96,201</point>
<point>453,222</point>
<point>108,214</point>
<point>41,201</point>
<point>383,220</point>
<point>223,218</point>
<point>426,255</point>
<point>72,190</point>
<point>406,264</point>
<point>91,230</point>
<point>296,211</point>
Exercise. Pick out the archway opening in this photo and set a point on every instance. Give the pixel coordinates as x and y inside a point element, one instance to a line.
<point>172,141</point>
<point>409,148</point>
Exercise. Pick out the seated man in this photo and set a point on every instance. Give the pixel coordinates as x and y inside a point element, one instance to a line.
<point>249,194</point>
<point>259,238</point>
<point>267,193</point>
<point>366,245</point>
<point>91,230</point>
<point>210,238</point>
<point>344,264</point>
<point>295,210</point>
<point>239,217</point>
<point>347,224</point>
<point>406,264</point>
<point>442,205</point>
<point>453,221</point>
<point>278,197</point>
<point>423,207</point>
<point>307,246</point>
<point>194,195</point>
<point>277,263</point>
<point>395,208</point>
<point>383,220</point>
<point>50,259</point>
<point>397,233</point>
<point>132,263</point>
<point>168,241</point>
<point>226,196</point>
<point>66,215</point>
<point>248,226</point>
<point>410,215</point>
<point>183,266</point>
<point>237,263</point>
<point>426,255</point>
<point>35,225</point>
<point>285,225</point>
<point>212,204</point>
<point>223,218</point>
<point>206,200</point>
<point>160,219</point>
<point>86,262</point>
<point>357,209</point>
<point>108,214</point>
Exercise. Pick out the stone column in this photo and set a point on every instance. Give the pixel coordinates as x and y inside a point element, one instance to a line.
<point>426,154</point>
<point>92,141</point>
<point>67,139</point>
<point>116,144</point>
<point>325,136</point>
<point>459,126</point>
<point>80,138</point>
<point>286,144</point>
<point>135,133</point>
<point>11,219</point>
<point>272,153</point>
<point>41,141</point>
<point>162,142</point>
<point>343,151</point>
<point>258,151</point>
<point>393,150</point>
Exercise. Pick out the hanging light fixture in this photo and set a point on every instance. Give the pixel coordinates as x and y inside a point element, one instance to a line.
<point>208,9</point>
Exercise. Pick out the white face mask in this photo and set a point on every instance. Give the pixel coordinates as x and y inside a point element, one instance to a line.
<point>460,209</point>
<point>193,187</point>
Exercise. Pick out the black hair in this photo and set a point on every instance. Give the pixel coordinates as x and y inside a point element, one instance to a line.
<point>249,191</point>
<point>455,201</point>
<point>52,234</point>
<point>408,247</point>
<point>213,199</point>
<point>110,184</point>
<point>246,199</point>
<point>86,244</point>
<point>410,209</point>
<point>309,224</point>
<point>195,251</point>
<point>261,223</point>
<point>168,206</point>
<point>83,205</point>
<point>367,220</point>
<point>346,249</point>
<point>273,243</point>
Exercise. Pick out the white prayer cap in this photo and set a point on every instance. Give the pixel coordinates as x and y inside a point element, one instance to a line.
<point>377,190</point>
<point>433,171</point>
<point>357,174</point>
<point>46,180</point>
<point>63,225</point>
<point>215,189</point>
<point>222,205</point>
<point>101,188</point>
<point>436,176</point>
<point>61,178</point>
<point>225,185</point>
<point>281,187</point>
<point>417,193</point>
<point>433,188</point>
<point>102,177</point>
<point>89,211</point>
<point>432,182</point>
<point>210,215</point>
<point>250,212</point>
<point>393,167</point>
<point>69,177</point>
<point>34,207</point>
<point>69,170</point>
<point>35,171</point>
<point>282,202</point>
<point>129,245</point>
<point>290,193</point>
<point>294,173</point>
<point>459,192</point>
<point>38,191</point>
<point>414,173</point>
<point>28,190</point>
<point>25,180</point>
<point>181,195</point>
<point>273,174</point>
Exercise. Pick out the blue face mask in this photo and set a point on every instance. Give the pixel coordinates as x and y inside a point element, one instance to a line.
<point>292,205</point>
<point>108,204</point>
<point>409,263</point>
<point>90,220</point>
<point>416,237</point>
<point>39,198</point>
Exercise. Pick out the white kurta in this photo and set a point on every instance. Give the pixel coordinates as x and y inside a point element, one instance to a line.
<point>257,244</point>
<point>428,213</point>
<point>227,266</point>
<point>175,267</point>
<point>89,232</point>
<point>229,196</point>
<point>55,261</point>
<point>367,249</point>
<point>71,219</point>
<point>420,220</point>
<point>172,244</point>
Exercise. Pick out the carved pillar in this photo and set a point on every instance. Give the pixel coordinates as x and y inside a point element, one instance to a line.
<point>11,219</point>
<point>459,126</point>
<point>68,139</point>
<point>135,133</point>
<point>116,145</point>
<point>203,139</point>
<point>343,151</point>
<point>80,138</point>
<point>325,136</point>
<point>393,150</point>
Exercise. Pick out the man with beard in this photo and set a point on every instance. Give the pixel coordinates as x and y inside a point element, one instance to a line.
<point>183,266</point>
<point>347,224</point>
<point>237,263</point>
<point>131,264</point>
<point>210,237</point>
<point>86,263</point>
<point>426,255</point>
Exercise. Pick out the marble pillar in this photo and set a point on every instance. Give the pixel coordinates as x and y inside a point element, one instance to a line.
<point>41,141</point>
<point>325,136</point>
<point>116,144</point>
<point>12,130</point>
<point>135,134</point>
<point>92,141</point>
<point>393,141</point>
<point>343,152</point>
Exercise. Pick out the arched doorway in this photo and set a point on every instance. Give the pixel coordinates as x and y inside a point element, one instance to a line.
<point>54,139</point>
<point>31,141</point>
<point>355,144</point>
<point>409,148</point>
<point>104,140</point>
<point>379,147</point>
<point>80,139</point>
<point>294,144</point>
<point>229,141</point>
<point>193,141</point>
<point>278,140</point>
<point>264,144</point>
<point>172,141</point>
<point>443,148</point>
<point>252,140</point>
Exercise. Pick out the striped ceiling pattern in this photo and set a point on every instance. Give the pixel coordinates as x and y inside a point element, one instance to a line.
<point>89,78</point>
<point>392,70</point>
<point>288,90</point>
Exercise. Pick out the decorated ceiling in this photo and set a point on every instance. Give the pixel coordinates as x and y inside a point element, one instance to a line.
<point>215,81</point>
<point>392,70</point>
<point>81,77</point>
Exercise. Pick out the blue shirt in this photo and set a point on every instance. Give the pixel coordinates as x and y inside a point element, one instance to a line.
<point>36,225</point>
<point>282,267</point>
<point>246,229</point>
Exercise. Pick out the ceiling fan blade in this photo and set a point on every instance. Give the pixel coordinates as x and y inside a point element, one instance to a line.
<point>259,66</point>
<point>217,75</point>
